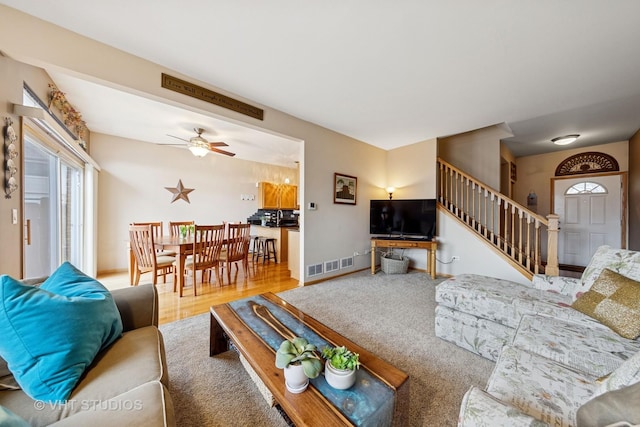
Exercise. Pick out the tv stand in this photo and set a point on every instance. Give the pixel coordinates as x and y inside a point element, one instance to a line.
<point>405,243</point>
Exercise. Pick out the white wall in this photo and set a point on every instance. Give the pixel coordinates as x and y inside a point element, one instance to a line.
<point>475,256</point>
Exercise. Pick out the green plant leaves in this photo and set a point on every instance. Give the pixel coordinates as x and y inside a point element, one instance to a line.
<point>299,351</point>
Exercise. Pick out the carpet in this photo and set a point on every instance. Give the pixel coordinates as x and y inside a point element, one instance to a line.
<point>391,315</point>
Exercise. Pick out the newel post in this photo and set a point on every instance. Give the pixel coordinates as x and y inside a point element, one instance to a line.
<point>552,245</point>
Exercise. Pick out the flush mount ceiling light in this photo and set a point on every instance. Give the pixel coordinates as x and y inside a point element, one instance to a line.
<point>564,140</point>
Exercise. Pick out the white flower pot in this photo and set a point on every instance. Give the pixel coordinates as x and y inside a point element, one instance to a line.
<point>341,379</point>
<point>295,379</point>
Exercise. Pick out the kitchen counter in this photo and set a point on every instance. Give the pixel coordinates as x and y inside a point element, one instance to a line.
<point>294,252</point>
<point>281,234</point>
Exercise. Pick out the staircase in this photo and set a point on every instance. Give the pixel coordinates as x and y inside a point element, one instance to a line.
<point>525,239</point>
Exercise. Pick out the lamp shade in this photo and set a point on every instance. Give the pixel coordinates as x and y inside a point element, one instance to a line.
<point>198,150</point>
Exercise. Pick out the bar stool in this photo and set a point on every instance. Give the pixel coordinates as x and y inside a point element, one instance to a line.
<point>266,249</point>
<point>253,246</point>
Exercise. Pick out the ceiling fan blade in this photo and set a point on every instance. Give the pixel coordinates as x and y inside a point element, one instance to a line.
<point>177,137</point>
<point>218,144</point>
<point>226,153</point>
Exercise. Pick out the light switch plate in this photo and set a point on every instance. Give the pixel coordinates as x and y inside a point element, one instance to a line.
<point>14,216</point>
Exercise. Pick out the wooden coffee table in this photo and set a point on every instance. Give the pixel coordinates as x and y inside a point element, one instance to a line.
<point>381,392</point>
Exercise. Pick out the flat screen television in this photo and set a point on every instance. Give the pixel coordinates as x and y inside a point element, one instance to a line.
<point>403,218</point>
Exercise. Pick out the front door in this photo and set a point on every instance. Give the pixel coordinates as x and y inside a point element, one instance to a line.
<point>590,211</point>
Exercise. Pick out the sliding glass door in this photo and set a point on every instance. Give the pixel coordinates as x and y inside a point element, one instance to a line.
<point>52,209</point>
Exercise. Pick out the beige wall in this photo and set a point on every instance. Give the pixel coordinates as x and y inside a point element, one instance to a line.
<point>12,76</point>
<point>634,192</point>
<point>485,145</point>
<point>535,172</point>
<point>412,171</point>
<point>330,232</point>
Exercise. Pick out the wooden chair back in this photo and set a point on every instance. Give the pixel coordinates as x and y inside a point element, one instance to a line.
<point>207,244</point>
<point>156,228</point>
<point>142,245</point>
<point>237,242</point>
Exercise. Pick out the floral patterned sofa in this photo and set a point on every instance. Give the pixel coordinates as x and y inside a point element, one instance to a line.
<point>555,364</point>
<point>481,313</point>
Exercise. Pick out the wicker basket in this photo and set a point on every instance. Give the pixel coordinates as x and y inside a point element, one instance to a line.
<point>394,264</point>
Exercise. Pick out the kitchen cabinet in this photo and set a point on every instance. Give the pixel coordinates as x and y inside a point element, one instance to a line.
<point>277,196</point>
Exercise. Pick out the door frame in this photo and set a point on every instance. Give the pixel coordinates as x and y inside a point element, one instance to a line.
<point>623,197</point>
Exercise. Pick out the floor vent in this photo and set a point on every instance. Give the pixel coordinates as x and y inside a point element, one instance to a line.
<point>314,270</point>
<point>330,266</point>
<point>346,262</point>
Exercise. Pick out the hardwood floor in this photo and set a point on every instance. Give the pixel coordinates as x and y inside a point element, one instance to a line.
<point>269,277</point>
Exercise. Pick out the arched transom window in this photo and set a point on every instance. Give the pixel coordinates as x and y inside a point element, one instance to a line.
<point>586,187</point>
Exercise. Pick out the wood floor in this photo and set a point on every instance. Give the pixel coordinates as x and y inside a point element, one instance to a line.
<point>262,278</point>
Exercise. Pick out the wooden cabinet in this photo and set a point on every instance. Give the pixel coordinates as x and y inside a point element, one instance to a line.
<point>277,196</point>
<point>289,197</point>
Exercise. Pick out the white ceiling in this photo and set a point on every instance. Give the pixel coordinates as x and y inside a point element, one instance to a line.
<point>387,73</point>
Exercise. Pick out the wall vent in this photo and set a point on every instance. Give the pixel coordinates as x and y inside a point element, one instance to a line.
<point>314,270</point>
<point>346,262</point>
<point>332,265</point>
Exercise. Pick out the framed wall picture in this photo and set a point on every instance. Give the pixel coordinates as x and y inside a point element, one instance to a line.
<point>514,173</point>
<point>345,189</point>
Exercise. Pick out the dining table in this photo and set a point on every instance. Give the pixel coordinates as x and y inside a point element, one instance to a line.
<point>182,246</point>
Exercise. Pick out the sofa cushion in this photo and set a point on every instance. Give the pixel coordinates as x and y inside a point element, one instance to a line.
<point>614,300</point>
<point>135,359</point>
<point>7,381</point>
<point>51,333</point>
<point>611,407</point>
<point>499,300</point>
<point>622,261</point>
<point>596,351</point>
<point>478,335</point>
<point>146,405</point>
<point>628,373</point>
<point>9,419</point>
<point>540,387</point>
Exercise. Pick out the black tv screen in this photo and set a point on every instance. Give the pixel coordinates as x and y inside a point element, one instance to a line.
<point>415,218</point>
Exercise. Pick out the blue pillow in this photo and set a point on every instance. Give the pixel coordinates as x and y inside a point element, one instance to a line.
<point>51,333</point>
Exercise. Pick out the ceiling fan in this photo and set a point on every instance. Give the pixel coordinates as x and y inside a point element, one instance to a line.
<point>199,146</point>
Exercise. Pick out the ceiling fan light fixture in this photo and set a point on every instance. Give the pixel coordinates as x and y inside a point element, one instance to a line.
<point>198,149</point>
<point>565,140</point>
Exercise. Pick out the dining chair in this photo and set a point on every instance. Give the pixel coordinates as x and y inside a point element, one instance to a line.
<point>236,249</point>
<point>174,227</point>
<point>207,245</point>
<point>147,260</point>
<point>158,232</point>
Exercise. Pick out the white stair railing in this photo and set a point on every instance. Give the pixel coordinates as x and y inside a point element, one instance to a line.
<point>512,229</point>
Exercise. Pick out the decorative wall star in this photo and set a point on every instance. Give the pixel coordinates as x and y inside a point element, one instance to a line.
<point>179,192</point>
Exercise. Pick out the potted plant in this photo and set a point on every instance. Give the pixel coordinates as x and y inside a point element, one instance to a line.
<point>300,362</point>
<point>340,366</point>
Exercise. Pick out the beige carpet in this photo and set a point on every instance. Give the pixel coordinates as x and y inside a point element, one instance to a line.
<point>391,315</point>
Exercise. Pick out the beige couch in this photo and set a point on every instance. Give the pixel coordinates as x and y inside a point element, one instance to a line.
<point>126,385</point>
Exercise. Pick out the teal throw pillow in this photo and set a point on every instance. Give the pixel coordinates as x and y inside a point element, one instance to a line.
<point>51,333</point>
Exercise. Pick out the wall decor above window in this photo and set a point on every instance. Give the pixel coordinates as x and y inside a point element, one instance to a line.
<point>590,162</point>
<point>10,158</point>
